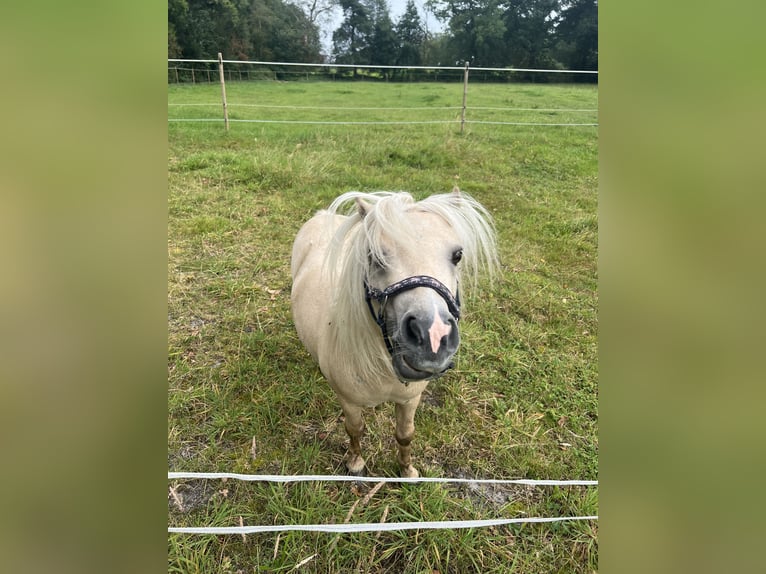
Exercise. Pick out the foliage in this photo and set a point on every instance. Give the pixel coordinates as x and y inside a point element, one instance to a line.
<point>530,32</point>
<point>284,33</point>
<point>542,34</point>
<point>521,33</point>
<point>245,396</point>
<point>241,30</point>
<point>577,35</point>
<point>352,39</point>
<point>384,43</point>
<point>476,31</point>
<point>411,36</point>
<point>367,35</point>
<point>317,10</point>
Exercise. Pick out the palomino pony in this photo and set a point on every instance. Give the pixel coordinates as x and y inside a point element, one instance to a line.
<point>375,299</point>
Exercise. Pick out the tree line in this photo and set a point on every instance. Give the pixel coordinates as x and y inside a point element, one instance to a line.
<point>551,34</point>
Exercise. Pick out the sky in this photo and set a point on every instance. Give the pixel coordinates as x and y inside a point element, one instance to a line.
<point>397,9</point>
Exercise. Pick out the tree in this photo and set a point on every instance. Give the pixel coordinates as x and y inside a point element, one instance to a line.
<point>559,34</point>
<point>577,35</point>
<point>529,37</point>
<point>201,29</point>
<point>320,13</point>
<point>437,50</point>
<point>241,29</point>
<point>178,25</point>
<point>317,11</point>
<point>282,32</point>
<point>476,28</point>
<point>411,36</point>
<point>351,41</point>
<point>384,45</point>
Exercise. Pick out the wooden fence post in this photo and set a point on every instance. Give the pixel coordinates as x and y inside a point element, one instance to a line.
<point>465,94</point>
<point>223,92</point>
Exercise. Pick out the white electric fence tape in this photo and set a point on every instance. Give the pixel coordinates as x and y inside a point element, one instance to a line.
<point>310,122</point>
<point>367,526</point>
<point>346,478</point>
<point>374,526</point>
<point>381,123</point>
<point>348,109</point>
<point>377,67</point>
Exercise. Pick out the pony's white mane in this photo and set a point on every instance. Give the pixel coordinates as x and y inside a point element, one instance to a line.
<point>359,240</point>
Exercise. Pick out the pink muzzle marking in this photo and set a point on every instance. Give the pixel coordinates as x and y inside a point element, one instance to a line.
<point>438,330</point>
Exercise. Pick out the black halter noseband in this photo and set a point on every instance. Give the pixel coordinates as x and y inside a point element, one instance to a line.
<point>370,293</point>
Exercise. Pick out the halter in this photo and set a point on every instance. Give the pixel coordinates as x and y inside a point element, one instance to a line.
<point>370,293</point>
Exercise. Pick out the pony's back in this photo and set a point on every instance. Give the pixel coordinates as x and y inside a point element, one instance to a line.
<point>311,294</point>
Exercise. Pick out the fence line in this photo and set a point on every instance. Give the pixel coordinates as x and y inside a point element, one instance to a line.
<point>466,69</point>
<point>376,479</point>
<point>380,123</point>
<point>329,107</point>
<point>375,526</point>
<point>320,122</point>
<point>350,109</point>
<point>369,526</point>
<point>383,67</point>
<point>568,110</point>
<point>525,123</point>
<point>386,108</point>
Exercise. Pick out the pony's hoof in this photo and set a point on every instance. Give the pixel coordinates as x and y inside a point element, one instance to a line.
<point>356,467</point>
<point>410,472</point>
<point>361,472</point>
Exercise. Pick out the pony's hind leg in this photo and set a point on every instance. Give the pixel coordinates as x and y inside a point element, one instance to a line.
<point>405,431</point>
<point>355,428</point>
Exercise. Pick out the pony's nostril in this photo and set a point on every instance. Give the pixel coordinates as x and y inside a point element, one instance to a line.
<point>414,330</point>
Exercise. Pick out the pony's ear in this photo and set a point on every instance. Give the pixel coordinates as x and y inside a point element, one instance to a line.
<point>363,206</point>
<point>456,191</point>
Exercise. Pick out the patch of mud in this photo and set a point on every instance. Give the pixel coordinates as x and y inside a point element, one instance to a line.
<point>497,495</point>
<point>433,396</point>
<point>190,450</point>
<point>189,496</point>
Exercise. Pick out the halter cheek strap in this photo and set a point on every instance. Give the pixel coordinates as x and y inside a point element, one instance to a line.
<point>453,302</point>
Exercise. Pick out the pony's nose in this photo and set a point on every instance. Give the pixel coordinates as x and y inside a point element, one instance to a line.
<point>431,334</point>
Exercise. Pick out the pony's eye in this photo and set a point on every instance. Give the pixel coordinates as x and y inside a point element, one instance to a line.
<point>457,256</point>
<point>375,262</point>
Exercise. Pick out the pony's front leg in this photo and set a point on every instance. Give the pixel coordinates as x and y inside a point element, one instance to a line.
<point>355,428</point>
<point>405,431</point>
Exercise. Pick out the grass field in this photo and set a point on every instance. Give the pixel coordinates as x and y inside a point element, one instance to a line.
<point>245,397</point>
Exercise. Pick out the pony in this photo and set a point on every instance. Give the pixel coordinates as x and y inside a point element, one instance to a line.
<point>375,299</point>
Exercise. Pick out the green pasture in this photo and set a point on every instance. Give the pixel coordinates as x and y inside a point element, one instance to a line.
<point>244,396</point>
